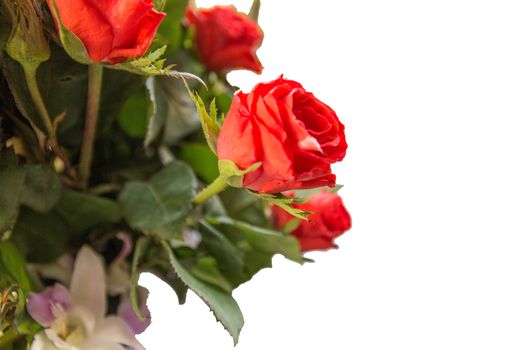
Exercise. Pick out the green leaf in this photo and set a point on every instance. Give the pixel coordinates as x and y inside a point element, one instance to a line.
<point>72,44</point>
<point>53,232</point>
<point>171,30</point>
<point>14,285</point>
<point>153,65</point>
<point>160,205</point>
<point>284,203</point>
<point>231,258</point>
<point>209,122</point>
<point>134,115</point>
<point>11,181</point>
<point>173,116</point>
<point>140,249</point>
<point>201,159</point>
<point>243,206</point>
<point>222,304</point>
<point>42,188</point>
<point>81,211</point>
<point>207,270</point>
<point>232,174</point>
<point>311,192</point>
<point>254,10</point>
<point>40,237</point>
<point>12,268</point>
<point>63,84</point>
<point>264,240</point>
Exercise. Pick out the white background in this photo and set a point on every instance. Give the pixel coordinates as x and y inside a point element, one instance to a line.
<point>433,97</point>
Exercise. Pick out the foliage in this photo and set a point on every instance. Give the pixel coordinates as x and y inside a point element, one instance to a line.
<point>159,119</point>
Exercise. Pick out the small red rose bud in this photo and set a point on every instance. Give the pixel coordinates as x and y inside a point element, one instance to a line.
<point>329,220</point>
<point>225,38</point>
<point>112,30</point>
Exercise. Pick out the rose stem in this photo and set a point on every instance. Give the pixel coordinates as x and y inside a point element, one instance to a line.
<point>32,85</point>
<point>212,189</point>
<point>34,91</point>
<point>93,101</point>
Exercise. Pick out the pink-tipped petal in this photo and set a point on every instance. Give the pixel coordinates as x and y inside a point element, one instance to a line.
<point>43,306</point>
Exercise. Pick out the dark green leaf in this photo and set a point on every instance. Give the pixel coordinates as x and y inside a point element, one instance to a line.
<point>42,188</point>
<point>230,256</point>
<point>40,237</point>
<point>160,205</point>
<point>224,307</point>
<point>11,180</point>
<point>264,240</point>
<point>241,205</point>
<point>81,211</point>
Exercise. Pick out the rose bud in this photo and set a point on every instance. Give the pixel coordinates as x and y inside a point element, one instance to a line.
<point>112,30</point>
<point>329,220</point>
<point>291,133</point>
<point>225,38</point>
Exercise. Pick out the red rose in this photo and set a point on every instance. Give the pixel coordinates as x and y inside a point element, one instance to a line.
<point>111,30</point>
<point>294,135</point>
<point>329,220</point>
<point>226,39</point>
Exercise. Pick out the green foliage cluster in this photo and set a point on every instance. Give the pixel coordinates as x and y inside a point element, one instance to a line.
<point>150,159</point>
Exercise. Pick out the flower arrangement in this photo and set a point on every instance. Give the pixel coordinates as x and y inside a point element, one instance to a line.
<point>124,149</point>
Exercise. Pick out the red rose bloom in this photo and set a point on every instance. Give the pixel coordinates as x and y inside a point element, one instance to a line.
<point>226,39</point>
<point>329,220</point>
<point>111,30</point>
<point>295,136</point>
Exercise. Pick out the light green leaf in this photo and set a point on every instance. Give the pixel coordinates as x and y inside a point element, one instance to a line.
<point>209,122</point>
<point>201,159</point>
<point>232,174</point>
<point>72,44</point>
<point>12,267</point>
<point>134,115</point>
<point>140,249</point>
<point>222,304</point>
<point>207,270</point>
<point>42,188</point>
<point>284,203</point>
<point>153,65</point>
<point>160,205</point>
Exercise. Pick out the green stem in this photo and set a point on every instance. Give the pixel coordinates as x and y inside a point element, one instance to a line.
<point>9,338</point>
<point>32,85</point>
<point>93,102</point>
<point>215,187</point>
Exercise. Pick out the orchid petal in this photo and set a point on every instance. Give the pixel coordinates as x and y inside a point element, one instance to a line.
<point>41,342</point>
<point>126,312</point>
<point>88,286</point>
<point>43,306</point>
<point>110,331</point>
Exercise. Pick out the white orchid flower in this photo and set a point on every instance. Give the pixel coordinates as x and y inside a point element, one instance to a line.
<point>76,319</point>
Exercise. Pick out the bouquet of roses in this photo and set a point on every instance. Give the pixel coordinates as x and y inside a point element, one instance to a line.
<point>124,149</point>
